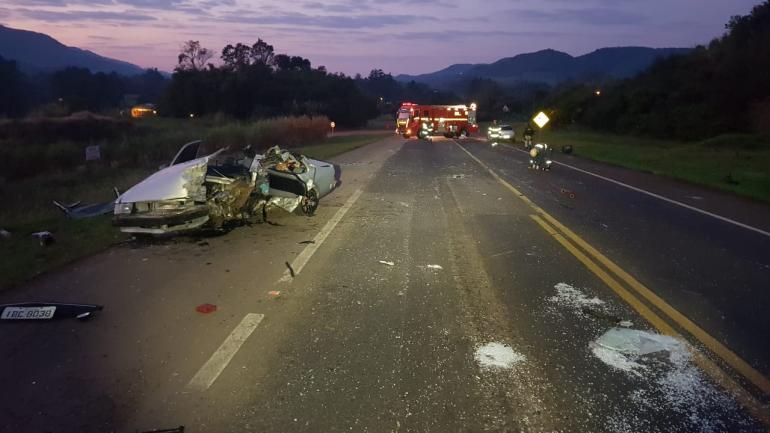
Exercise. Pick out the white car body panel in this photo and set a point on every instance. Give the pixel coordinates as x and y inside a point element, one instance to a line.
<point>179,181</point>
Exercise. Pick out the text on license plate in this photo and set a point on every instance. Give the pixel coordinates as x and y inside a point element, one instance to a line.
<point>28,313</point>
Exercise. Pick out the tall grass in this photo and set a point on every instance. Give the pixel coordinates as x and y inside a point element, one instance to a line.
<point>282,131</point>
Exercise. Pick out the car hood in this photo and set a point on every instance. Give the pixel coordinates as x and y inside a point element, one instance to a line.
<point>180,181</point>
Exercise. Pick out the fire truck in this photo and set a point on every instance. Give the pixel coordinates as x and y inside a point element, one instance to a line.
<point>421,121</point>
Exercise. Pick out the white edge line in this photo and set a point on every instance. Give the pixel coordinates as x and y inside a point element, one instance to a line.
<point>211,370</point>
<point>660,197</point>
<point>301,260</point>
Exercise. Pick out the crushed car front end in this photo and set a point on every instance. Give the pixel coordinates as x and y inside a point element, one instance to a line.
<point>222,188</point>
<point>171,200</point>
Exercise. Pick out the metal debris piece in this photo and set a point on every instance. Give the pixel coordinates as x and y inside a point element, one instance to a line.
<point>565,191</point>
<point>206,308</point>
<point>291,270</point>
<point>78,210</point>
<point>434,267</point>
<point>45,238</point>
<point>179,429</point>
<point>387,263</point>
<point>47,311</point>
<point>307,242</point>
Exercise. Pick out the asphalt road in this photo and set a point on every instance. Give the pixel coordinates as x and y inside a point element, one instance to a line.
<point>429,300</point>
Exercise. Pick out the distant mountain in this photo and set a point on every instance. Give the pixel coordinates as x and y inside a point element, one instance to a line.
<point>552,67</point>
<point>38,52</point>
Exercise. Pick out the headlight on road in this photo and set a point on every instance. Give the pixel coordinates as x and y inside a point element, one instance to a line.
<point>123,208</point>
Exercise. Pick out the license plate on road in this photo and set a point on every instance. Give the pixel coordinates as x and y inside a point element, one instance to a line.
<point>28,313</point>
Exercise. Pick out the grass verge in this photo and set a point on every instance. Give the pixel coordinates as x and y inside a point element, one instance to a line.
<point>733,163</point>
<point>23,257</point>
<point>736,163</point>
<point>334,146</point>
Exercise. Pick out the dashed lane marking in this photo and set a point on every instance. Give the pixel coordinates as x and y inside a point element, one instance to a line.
<point>301,260</point>
<point>211,370</point>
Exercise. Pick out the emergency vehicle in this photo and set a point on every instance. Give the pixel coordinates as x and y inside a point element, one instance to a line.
<point>425,120</point>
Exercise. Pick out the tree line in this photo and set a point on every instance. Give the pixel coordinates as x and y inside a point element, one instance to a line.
<point>255,82</point>
<point>715,89</point>
<point>71,89</point>
<point>249,81</point>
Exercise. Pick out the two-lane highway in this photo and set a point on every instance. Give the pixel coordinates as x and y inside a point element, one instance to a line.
<point>443,287</point>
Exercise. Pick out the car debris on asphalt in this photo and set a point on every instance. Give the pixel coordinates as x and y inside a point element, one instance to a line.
<point>45,238</point>
<point>47,311</point>
<point>206,308</point>
<point>384,262</point>
<point>291,270</point>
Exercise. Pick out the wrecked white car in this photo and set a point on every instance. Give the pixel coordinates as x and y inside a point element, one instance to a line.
<point>221,189</point>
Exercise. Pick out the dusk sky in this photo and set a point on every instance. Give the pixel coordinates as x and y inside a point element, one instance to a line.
<point>355,36</point>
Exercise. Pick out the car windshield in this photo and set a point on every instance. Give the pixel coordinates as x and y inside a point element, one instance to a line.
<point>506,128</point>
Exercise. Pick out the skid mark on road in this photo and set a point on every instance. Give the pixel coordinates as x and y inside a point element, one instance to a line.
<point>301,260</point>
<point>522,388</point>
<point>211,370</point>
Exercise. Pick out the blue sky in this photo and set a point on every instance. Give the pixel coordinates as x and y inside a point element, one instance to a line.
<point>398,36</point>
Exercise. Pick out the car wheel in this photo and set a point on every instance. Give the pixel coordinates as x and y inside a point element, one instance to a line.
<point>309,202</point>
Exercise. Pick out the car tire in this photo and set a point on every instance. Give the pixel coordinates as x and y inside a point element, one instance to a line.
<point>309,203</point>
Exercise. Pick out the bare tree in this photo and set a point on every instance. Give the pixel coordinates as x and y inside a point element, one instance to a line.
<point>193,57</point>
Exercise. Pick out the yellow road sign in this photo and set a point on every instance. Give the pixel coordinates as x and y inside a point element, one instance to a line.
<point>541,119</point>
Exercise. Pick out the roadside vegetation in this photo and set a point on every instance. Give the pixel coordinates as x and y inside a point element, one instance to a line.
<point>735,163</point>
<point>701,117</point>
<point>721,88</point>
<point>42,160</point>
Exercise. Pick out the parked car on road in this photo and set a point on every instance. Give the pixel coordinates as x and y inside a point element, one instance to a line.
<point>501,132</point>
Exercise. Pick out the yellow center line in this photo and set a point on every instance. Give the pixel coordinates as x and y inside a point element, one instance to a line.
<point>732,359</point>
<point>752,405</point>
